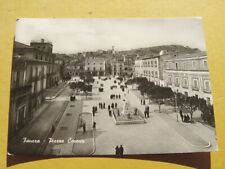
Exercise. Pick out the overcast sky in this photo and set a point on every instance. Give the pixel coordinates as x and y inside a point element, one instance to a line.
<point>77,35</point>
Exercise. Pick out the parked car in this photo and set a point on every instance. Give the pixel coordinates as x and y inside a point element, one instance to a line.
<point>100,89</point>
<point>72,97</point>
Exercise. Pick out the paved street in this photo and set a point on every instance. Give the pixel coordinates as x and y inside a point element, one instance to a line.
<point>161,133</point>
<point>40,128</point>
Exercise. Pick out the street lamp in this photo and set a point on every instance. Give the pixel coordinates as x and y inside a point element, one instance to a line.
<point>176,106</point>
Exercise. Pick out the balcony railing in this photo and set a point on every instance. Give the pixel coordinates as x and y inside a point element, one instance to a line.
<point>195,88</point>
<point>206,91</point>
<point>21,90</point>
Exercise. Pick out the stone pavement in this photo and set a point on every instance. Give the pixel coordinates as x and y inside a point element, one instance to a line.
<point>65,131</point>
<point>38,129</point>
<point>51,92</point>
<point>197,135</point>
<point>87,147</point>
<point>155,136</point>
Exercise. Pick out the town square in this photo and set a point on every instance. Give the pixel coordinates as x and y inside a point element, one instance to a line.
<point>144,100</point>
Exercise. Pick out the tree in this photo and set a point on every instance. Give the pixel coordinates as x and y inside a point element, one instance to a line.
<point>160,93</point>
<point>73,85</point>
<point>191,104</point>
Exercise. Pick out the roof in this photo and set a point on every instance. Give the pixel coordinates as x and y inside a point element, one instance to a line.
<point>188,55</point>
<point>19,45</point>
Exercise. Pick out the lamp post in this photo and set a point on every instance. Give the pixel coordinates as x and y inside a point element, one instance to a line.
<point>176,106</point>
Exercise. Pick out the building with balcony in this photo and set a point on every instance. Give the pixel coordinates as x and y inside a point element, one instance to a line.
<point>95,65</point>
<point>117,67</point>
<point>152,67</point>
<point>189,75</point>
<point>32,72</point>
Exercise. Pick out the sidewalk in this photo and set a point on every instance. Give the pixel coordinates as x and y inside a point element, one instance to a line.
<point>87,146</point>
<point>53,92</point>
<point>38,128</point>
<point>65,130</point>
<point>187,131</point>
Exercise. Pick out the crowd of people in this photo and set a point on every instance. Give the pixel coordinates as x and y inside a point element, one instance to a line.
<point>115,96</point>
<point>184,117</point>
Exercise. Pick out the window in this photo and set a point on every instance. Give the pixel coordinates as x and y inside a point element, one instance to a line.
<point>177,81</point>
<point>176,66</point>
<point>170,79</point>
<point>155,63</point>
<point>152,63</point>
<point>152,73</point>
<point>185,82</point>
<point>195,84</point>
<point>156,74</point>
<point>88,68</point>
<point>193,64</point>
<point>205,64</point>
<point>94,68</point>
<point>100,68</point>
<point>206,86</point>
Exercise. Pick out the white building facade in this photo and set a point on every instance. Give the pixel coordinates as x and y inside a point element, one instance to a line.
<point>189,75</point>
<point>95,65</point>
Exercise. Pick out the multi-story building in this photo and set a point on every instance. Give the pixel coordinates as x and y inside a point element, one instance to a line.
<point>151,67</point>
<point>32,73</point>
<point>128,65</point>
<point>188,74</point>
<point>95,65</point>
<point>44,52</point>
<point>117,67</point>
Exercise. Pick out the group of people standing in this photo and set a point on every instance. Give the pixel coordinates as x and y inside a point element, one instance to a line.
<point>142,101</point>
<point>101,105</point>
<point>94,110</point>
<point>115,96</point>
<point>184,117</point>
<point>119,150</point>
<point>110,107</point>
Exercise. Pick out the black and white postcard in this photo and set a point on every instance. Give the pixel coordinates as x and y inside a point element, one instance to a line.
<point>86,87</point>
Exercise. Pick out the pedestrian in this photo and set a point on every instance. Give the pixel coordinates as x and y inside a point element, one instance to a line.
<point>84,127</point>
<point>119,96</point>
<point>93,111</point>
<point>96,109</point>
<point>99,104</point>
<point>145,112</point>
<point>53,128</point>
<point>121,150</point>
<point>108,107</point>
<point>117,151</point>
<point>181,115</point>
<point>135,111</point>
<point>118,112</point>
<point>104,105</point>
<point>188,118</point>
<point>141,101</point>
<point>94,125</point>
<point>115,105</point>
<point>147,109</point>
<point>110,113</point>
<point>112,105</point>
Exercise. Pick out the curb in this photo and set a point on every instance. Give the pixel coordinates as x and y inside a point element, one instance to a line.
<point>58,92</point>
<point>44,144</point>
<point>188,142</point>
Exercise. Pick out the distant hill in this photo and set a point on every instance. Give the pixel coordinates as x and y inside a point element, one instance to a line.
<point>155,50</point>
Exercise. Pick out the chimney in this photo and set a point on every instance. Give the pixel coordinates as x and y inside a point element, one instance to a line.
<point>42,40</point>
